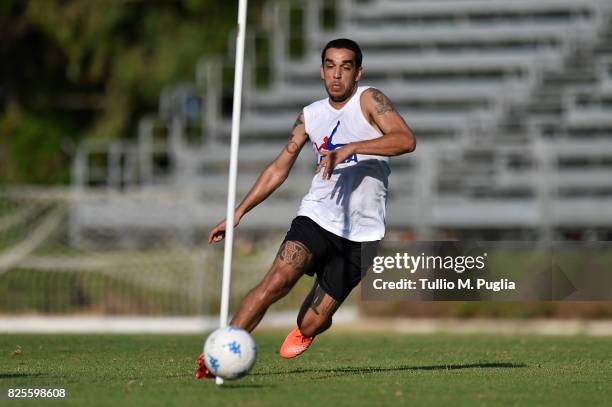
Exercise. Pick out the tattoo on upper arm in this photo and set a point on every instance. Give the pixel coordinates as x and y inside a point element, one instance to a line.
<point>383,104</point>
<point>298,121</point>
<point>292,147</point>
<point>295,254</point>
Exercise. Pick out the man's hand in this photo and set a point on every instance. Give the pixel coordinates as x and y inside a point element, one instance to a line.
<point>218,232</point>
<point>332,158</point>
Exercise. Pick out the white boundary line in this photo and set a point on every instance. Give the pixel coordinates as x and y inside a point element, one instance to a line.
<point>127,325</point>
<point>428,326</point>
<point>345,320</point>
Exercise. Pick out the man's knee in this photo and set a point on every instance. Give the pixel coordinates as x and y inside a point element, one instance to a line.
<point>316,313</point>
<point>276,284</point>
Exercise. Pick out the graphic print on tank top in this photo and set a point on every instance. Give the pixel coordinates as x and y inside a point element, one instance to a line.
<point>352,204</point>
<point>329,145</point>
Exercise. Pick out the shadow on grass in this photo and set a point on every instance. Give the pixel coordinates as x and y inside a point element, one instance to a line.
<point>343,371</point>
<point>246,386</point>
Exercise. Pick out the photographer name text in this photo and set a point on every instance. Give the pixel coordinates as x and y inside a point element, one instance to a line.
<point>426,263</point>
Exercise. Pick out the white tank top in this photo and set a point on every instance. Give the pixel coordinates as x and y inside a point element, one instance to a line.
<point>353,203</point>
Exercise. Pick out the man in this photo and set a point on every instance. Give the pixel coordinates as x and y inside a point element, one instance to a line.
<point>353,132</point>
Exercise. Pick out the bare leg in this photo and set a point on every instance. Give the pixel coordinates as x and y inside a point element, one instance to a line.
<point>316,313</point>
<point>289,265</point>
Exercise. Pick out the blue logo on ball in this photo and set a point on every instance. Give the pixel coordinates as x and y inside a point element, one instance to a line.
<point>214,363</point>
<point>234,347</point>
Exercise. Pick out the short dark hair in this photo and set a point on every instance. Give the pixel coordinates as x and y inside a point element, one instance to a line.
<point>347,44</point>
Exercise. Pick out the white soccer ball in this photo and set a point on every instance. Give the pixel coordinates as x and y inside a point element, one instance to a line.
<point>230,352</point>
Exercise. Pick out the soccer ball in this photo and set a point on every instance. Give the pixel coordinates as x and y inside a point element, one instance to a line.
<point>230,352</point>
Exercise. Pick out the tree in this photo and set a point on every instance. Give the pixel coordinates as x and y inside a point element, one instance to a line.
<point>89,69</point>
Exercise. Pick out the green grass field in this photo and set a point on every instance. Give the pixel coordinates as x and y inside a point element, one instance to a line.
<point>340,369</point>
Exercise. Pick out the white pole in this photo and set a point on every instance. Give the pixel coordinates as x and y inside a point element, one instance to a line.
<point>231,189</point>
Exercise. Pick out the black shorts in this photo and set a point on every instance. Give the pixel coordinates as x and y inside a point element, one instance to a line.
<point>339,263</point>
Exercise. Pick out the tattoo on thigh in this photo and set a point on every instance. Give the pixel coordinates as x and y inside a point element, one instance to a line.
<point>317,298</point>
<point>294,254</point>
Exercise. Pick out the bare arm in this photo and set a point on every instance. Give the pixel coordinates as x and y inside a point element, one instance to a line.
<point>269,180</point>
<point>396,139</point>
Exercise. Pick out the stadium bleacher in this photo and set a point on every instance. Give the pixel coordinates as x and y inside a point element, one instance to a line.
<point>511,103</point>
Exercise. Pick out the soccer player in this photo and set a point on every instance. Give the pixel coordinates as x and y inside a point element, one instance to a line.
<point>340,221</point>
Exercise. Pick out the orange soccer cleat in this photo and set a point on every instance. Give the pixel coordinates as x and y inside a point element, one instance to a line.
<point>202,371</point>
<point>295,344</point>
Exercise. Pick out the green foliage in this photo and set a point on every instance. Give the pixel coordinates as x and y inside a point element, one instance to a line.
<point>103,63</point>
<point>34,150</point>
<point>37,148</point>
